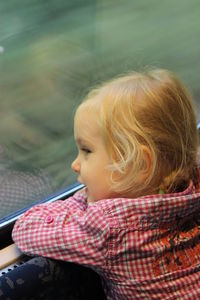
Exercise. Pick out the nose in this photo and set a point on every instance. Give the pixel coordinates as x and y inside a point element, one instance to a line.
<point>76,165</point>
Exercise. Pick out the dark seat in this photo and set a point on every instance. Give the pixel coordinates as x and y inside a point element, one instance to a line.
<point>42,278</point>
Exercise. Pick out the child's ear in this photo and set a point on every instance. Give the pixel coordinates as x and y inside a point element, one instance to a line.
<point>147,158</point>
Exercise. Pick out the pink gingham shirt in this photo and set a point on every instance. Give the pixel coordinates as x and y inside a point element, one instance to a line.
<point>144,248</point>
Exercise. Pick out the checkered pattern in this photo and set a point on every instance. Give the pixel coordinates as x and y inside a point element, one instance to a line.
<point>144,248</point>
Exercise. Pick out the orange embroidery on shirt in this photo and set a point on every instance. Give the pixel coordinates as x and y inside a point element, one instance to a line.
<point>181,249</point>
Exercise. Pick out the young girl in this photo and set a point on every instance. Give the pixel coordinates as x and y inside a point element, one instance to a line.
<point>137,221</point>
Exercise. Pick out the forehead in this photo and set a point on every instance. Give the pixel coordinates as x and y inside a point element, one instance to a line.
<point>86,123</point>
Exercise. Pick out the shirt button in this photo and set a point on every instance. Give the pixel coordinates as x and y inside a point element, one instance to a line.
<point>49,219</point>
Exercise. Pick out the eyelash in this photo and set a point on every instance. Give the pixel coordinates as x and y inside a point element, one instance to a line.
<point>86,150</point>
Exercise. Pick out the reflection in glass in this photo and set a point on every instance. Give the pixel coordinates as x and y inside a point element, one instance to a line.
<point>52,53</point>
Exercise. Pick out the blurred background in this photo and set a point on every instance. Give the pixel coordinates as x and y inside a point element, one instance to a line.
<point>52,53</point>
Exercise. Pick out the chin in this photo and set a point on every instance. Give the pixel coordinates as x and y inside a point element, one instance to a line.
<point>91,199</point>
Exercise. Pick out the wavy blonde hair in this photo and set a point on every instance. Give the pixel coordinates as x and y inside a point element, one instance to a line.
<point>151,109</point>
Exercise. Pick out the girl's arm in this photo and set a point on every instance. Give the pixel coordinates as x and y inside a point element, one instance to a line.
<point>67,230</point>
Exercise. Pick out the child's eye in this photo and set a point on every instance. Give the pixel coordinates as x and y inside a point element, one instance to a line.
<point>85,150</point>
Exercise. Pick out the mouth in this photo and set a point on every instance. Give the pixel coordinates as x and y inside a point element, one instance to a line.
<point>85,188</point>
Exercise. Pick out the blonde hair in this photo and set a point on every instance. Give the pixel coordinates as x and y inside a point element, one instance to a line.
<point>151,109</point>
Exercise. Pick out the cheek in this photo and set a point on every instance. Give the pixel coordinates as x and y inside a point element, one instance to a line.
<point>102,185</point>
<point>96,185</point>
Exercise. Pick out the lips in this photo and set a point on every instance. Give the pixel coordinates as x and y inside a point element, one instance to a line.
<point>79,180</point>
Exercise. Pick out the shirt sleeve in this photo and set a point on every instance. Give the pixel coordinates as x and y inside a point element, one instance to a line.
<point>66,230</point>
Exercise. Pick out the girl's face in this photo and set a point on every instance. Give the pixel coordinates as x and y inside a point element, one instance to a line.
<point>92,160</point>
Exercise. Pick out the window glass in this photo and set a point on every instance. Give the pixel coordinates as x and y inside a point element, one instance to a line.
<point>52,53</point>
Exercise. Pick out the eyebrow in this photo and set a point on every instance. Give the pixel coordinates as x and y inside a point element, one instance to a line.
<point>81,141</point>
